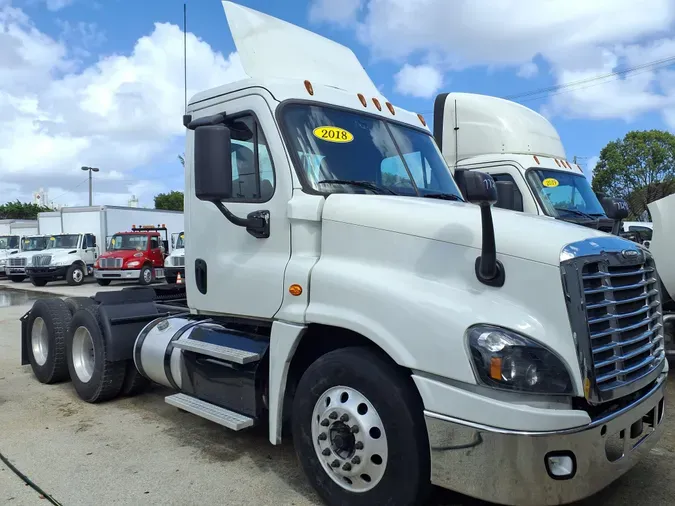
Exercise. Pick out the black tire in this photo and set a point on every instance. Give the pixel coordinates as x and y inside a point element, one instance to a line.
<point>171,279</point>
<point>107,377</point>
<point>55,316</point>
<point>76,303</point>
<point>38,281</point>
<point>103,282</point>
<point>406,479</point>
<point>75,275</point>
<point>134,382</point>
<point>142,279</point>
<point>17,279</point>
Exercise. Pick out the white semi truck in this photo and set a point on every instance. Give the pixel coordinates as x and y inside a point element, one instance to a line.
<point>407,336</point>
<point>517,145</point>
<point>174,264</point>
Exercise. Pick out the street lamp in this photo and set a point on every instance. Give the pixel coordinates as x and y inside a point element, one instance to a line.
<point>90,169</point>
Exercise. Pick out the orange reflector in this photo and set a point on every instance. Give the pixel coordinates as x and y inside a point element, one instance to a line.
<point>391,108</point>
<point>377,104</point>
<point>496,368</point>
<point>587,387</point>
<point>309,88</point>
<point>422,120</point>
<point>295,290</point>
<point>557,162</point>
<point>566,164</point>
<point>536,159</point>
<point>363,100</point>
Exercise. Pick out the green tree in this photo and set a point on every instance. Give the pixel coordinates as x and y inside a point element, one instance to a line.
<point>639,168</point>
<point>172,201</point>
<point>181,158</point>
<point>21,211</point>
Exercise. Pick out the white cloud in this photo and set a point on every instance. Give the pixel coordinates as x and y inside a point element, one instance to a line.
<point>576,38</point>
<point>341,12</point>
<point>528,70</point>
<point>122,113</point>
<point>418,81</point>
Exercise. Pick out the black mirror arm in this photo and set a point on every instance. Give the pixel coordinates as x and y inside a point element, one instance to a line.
<point>256,223</point>
<point>489,270</point>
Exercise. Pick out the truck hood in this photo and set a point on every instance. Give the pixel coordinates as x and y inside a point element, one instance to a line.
<point>180,252</point>
<point>125,254</point>
<point>521,235</point>
<point>5,253</point>
<point>27,254</point>
<point>662,245</point>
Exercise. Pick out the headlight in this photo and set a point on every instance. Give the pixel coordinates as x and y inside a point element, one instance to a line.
<point>505,360</point>
<point>135,263</point>
<point>3,261</point>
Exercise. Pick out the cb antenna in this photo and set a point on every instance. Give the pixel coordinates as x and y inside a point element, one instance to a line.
<point>185,54</point>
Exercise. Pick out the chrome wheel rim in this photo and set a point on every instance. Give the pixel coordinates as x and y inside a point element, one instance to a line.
<point>147,275</point>
<point>83,354</point>
<point>39,339</point>
<point>78,275</point>
<point>349,439</point>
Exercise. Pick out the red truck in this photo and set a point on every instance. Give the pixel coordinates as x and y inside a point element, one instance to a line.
<point>136,255</point>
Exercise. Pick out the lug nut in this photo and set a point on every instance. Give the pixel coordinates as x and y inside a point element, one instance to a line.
<point>347,467</point>
<point>323,436</point>
<point>325,422</point>
<point>344,418</point>
<point>335,463</point>
<point>356,460</point>
<point>358,445</point>
<point>355,429</point>
<point>333,415</point>
<point>326,452</point>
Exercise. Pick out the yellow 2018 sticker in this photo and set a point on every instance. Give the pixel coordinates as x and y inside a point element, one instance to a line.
<point>112,241</point>
<point>52,238</point>
<point>333,134</point>
<point>550,182</point>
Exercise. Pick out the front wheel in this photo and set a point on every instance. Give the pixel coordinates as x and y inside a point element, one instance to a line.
<point>75,275</point>
<point>103,282</point>
<point>38,281</point>
<point>146,275</point>
<point>17,279</point>
<point>359,432</point>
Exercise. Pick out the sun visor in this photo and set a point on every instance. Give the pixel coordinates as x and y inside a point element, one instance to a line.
<point>271,48</point>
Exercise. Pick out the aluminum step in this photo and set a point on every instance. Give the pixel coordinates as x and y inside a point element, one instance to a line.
<point>216,414</point>
<point>213,350</point>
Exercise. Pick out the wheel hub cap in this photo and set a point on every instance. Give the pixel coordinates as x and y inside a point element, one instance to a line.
<point>83,354</point>
<point>77,275</point>
<point>349,439</point>
<point>39,341</point>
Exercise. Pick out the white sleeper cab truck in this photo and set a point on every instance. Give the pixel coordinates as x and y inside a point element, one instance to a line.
<point>523,153</point>
<point>17,263</point>
<point>338,281</point>
<point>662,246</point>
<point>9,245</point>
<point>67,256</point>
<point>174,264</point>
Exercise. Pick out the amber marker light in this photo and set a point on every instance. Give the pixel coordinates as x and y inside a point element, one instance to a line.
<point>309,88</point>
<point>295,290</point>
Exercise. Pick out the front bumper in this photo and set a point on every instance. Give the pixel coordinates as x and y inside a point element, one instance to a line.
<point>117,273</point>
<point>173,271</point>
<point>47,272</point>
<point>509,467</point>
<point>14,271</point>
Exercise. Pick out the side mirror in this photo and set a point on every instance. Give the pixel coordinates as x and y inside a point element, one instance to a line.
<point>615,209</point>
<point>212,163</point>
<point>506,195</point>
<point>479,188</point>
<point>173,241</point>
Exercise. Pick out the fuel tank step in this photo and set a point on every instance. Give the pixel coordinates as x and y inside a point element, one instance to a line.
<point>217,351</point>
<point>216,414</point>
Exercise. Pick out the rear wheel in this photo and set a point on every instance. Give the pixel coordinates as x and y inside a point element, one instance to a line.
<point>76,303</point>
<point>134,382</point>
<point>75,275</point>
<point>103,282</point>
<point>17,279</point>
<point>358,430</point>
<point>95,378</point>
<point>48,323</point>
<point>146,275</point>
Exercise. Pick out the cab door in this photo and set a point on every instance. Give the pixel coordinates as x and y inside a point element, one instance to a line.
<point>155,253</point>
<point>89,249</point>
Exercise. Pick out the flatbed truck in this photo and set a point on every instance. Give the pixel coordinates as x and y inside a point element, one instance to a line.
<point>404,331</point>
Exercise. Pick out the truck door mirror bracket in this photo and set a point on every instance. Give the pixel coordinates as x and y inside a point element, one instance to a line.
<point>480,189</point>
<point>257,223</point>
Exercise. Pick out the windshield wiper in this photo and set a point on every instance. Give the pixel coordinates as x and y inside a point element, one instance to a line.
<point>374,187</point>
<point>443,196</point>
<point>575,211</point>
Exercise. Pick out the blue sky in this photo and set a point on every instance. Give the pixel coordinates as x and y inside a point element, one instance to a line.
<point>500,47</point>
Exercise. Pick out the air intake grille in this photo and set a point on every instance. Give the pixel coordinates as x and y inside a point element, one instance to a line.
<point>41,260</point>
<point>17,262</point>
<point>110,263</point>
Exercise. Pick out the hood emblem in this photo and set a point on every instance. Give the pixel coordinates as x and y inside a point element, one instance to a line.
<point>631,254</point>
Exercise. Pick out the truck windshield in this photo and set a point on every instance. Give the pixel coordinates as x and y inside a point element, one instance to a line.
<point>9,241</point>
<point>180,242</point>
<point>564,194</point>
<point>129,242</point>
<point>34,243</point>
<point>63,241</point>
<point>348,152</point>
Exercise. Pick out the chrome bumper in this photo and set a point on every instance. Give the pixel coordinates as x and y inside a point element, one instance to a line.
<point>117,273</point>
<point>508,467</point>
<point>14,271</point>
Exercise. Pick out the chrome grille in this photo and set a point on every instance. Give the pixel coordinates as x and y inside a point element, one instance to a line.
<point>17,262</point>
<point>178,261</point>
<point>41,260</point>
<point>615,309</point>
<point>110,263</point>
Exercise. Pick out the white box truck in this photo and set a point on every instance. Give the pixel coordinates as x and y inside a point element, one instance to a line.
<point>408,335</point>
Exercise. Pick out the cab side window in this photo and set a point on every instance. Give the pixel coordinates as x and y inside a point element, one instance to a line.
<point>154,243</point>
<point>252,169</point>
<point>518,201</point>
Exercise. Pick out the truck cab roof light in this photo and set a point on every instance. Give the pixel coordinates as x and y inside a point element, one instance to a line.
<point>557,162</point>
<point>422,120</point>
<point>536,159</point>
<point>377,104</point>
<point>363,100</point>
<point>391,108</point>
<point>309,88</point>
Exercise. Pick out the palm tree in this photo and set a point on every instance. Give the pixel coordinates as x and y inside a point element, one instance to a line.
<point>182,159</point>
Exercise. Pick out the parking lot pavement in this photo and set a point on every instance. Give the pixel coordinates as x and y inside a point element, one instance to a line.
<point>142,451</point>
<point>88,288</point>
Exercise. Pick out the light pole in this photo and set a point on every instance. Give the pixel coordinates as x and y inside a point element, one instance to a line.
<point>90,169</point>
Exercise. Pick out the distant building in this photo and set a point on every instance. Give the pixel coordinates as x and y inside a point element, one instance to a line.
<point>133,201</point>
